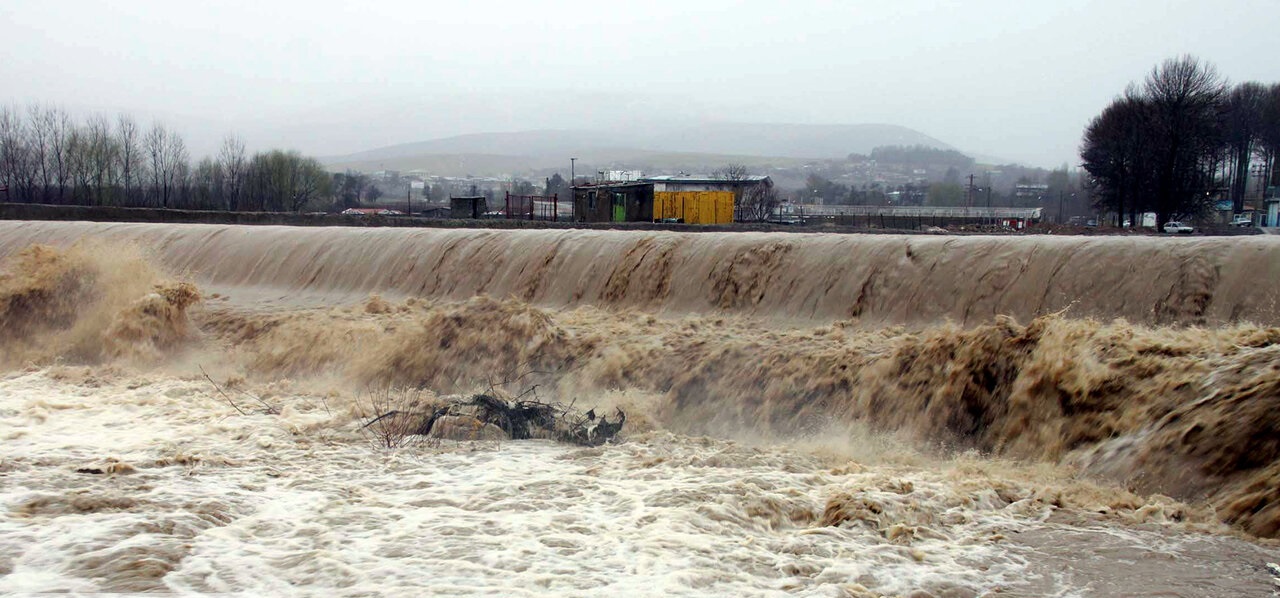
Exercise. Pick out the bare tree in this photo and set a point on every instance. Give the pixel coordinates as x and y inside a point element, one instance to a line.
<point>129,156</point>
<point>48,157</point>
<point>1155,149</point>
<point>279,181</point>
<point>102,150</point>
<point>232,164</point>
<point>62,130</point>
<point>17,168</point>
<point>206,185</point>
<point>758,203</point>
<point>1242,123</point>
<point>1185,95</point>
<point>39,139</point>
<point>77,167</point>
<point>167,155</point>
<point>735,171</point>
<point>752,202</point>
<point>179,173</point>
<point>351,185</point>
<point>1116,156</point>
<point>154,146</point>
<point>1269,133</point>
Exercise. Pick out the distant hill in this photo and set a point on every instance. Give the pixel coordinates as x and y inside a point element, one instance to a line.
<point>675,147</point>
<point>588,161</point>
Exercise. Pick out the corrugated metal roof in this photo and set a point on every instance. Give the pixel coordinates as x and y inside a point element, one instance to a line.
<point>611,185</point>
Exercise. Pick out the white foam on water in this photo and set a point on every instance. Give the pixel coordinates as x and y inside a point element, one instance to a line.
<point>266,504</point>
<point>213,502</point>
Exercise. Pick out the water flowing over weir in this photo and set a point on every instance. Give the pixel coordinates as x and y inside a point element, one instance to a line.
<point>875,278</point>
<point>775,445</point>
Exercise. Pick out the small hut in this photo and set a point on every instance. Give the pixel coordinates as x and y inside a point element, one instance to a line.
<point>468,207</point>
<point>613,202</point>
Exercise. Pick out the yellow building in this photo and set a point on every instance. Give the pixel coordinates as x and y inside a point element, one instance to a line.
<point>693,207</point>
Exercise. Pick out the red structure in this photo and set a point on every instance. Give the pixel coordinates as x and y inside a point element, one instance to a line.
<point>534,207</point>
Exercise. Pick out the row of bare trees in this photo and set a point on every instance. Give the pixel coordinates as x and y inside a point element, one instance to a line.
<point>48,157</point>
<point>1181,141</point>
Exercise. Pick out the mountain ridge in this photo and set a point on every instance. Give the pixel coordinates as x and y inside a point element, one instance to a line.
<point>761,140</point>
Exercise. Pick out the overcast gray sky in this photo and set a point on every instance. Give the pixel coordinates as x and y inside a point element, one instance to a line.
<point>1017,80</point>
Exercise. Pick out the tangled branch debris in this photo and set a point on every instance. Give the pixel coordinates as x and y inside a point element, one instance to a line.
<point>519,420</point>
<point>267,408</point>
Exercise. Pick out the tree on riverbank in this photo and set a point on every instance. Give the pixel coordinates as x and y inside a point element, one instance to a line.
<point>1180,141</point>
<point>47,157</point>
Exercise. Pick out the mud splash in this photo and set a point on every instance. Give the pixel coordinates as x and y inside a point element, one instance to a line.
<point>89,302</point>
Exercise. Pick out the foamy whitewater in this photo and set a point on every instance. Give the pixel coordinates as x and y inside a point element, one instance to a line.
<point>775,446</point>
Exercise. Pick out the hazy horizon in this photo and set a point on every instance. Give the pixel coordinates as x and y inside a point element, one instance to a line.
<point>1013,81</point>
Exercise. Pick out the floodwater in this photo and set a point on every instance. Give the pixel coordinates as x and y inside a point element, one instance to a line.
<point>800,423</point>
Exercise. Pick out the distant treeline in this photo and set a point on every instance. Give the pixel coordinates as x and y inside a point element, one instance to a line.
<point>48,157</point>
<point>921,155</point>
<point>1181,141</point>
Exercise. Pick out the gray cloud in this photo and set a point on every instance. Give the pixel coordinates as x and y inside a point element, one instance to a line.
<point>1011,79</point>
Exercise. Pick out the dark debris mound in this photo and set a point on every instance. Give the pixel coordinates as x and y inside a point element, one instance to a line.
<point>522,420</point>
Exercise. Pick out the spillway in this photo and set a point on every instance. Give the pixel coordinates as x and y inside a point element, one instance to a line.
<point>874,278</point>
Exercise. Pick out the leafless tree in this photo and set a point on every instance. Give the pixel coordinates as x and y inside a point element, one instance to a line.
<point>179,174</point>
<point>1185,95</point>
<point>78,168</point>
<point>232,163</point>
<point>48,136</point>
<point>18,172</point>
<point>1269,133</point>
<point>279,181</point>
<point>732,172</point>
<point>102,151</point>
<point>39,140</point>
<point>758,203</point>
<point>62,131</point>
<point>167,155</point>
<point>1242,121</point>
<point>206,182</point>
<point>1154,149</point>
<point>752,202</point>
<point>129,156</point>
<point>153,144</point>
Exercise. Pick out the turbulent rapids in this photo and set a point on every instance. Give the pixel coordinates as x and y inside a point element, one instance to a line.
<point>807,414</point>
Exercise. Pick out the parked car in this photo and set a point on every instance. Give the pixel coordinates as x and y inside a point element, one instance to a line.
<point>1242,221</point>
<point>1174,226</point>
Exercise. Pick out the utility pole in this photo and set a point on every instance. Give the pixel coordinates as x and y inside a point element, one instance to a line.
<point>408,198</point>
<point>1061,194</point>
<point>572,163</point>
<point>968,200</point>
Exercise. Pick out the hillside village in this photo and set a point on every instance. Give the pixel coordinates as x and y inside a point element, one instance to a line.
<point>886,176</point>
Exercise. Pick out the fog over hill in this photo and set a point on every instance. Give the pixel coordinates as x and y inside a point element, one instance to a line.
<point>694,143</point>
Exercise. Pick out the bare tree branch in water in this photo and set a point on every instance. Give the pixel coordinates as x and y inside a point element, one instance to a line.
<point>267,408</point>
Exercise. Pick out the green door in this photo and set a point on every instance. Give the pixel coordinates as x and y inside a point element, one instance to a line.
<point>619,207</point>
